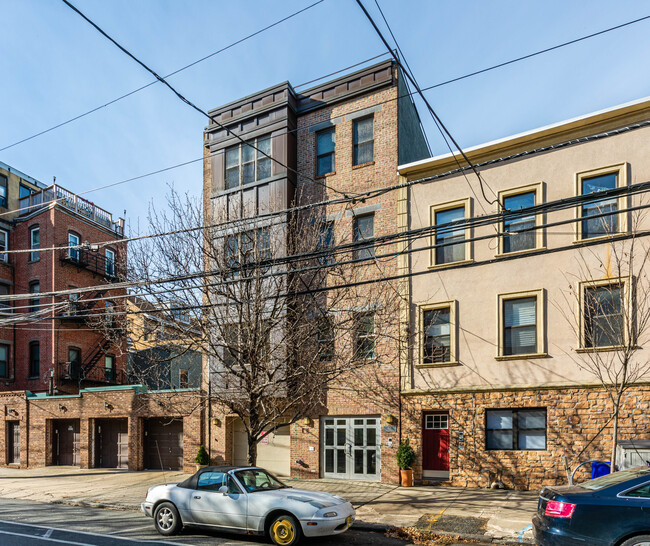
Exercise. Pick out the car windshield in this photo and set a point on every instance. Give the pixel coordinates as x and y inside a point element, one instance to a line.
<point>615,478</point>
<point>256,479</point>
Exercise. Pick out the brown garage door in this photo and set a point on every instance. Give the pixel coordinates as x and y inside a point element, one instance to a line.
<point>163,444</point>
<point>65,442</point>
<point>111,443</point>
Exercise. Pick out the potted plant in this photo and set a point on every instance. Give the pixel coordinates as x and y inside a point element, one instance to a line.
<point>405,458</point>
<point>201,458</point>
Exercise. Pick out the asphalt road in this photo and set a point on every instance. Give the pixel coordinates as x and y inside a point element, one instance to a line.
<point>41,524</point>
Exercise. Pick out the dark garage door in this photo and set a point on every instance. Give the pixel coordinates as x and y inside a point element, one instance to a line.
<point>163,443</point>
<point>65,442</point>
<point>13,442</point>
<point>111,443</point>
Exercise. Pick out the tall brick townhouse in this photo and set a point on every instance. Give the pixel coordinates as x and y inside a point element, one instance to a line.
<point>523,323</point>
<point>64,399</point>
<point>337,140</point>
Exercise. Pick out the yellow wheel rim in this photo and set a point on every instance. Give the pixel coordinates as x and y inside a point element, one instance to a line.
<point>283,531</point>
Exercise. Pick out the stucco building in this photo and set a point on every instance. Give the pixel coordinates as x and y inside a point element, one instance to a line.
<point>523,310</point>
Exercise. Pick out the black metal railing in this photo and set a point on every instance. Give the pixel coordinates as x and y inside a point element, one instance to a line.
<point>93,261</point>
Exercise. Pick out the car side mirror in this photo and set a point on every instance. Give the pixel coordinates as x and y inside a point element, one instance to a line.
<point>223,490</point>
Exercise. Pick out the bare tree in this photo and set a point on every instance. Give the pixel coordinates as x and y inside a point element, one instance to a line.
<point>283,308</point>
<point>607,305</point>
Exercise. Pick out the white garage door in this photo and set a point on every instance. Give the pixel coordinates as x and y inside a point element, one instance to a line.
<point>273,451</point>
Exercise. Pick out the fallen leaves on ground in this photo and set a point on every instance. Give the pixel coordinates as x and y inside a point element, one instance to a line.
<point>417,536</point>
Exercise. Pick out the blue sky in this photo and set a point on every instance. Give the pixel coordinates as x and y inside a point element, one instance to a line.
<point>55,66</point>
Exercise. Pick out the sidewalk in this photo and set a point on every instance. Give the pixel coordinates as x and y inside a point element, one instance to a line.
<point>488,513</point>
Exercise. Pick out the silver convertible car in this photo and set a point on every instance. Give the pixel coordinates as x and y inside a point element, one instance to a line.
<point>249,500</point>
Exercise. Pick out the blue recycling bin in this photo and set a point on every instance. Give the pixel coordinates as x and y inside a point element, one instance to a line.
<point>599,469</point>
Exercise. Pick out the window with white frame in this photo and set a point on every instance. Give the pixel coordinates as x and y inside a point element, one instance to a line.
<point>604,316</point>
<point>110,262</point>
<point>515,429</point>
<point>4,245</point>
<point>5,303</point>
<point>73,241</point>
<point>436,421</point>
<point>34,243</point>
<point>248,163</point>
<point>4,360</point>
<point>519,326</point>
<point>109,368</point>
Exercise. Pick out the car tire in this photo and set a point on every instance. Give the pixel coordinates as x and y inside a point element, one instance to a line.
<point>166,519</point>
<point>285,530</point>
<point>637,540</point>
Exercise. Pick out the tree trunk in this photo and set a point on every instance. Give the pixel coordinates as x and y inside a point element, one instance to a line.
<point>252,451</point>
<point>617,405</point>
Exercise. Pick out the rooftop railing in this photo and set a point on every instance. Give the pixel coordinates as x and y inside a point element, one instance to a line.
<point>72,202</point>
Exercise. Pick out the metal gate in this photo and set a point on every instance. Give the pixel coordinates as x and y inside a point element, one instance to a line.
<point>163,444</point>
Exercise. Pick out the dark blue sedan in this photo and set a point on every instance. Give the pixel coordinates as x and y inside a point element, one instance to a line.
<point>610,510</point>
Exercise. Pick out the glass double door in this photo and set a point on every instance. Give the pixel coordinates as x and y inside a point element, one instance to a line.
<point>351,448</point>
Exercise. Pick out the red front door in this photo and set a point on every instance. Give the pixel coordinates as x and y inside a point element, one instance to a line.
<point>435,441</point>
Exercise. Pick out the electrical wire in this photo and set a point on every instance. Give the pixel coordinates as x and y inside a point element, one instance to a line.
<point>177,71</point>
<point>182,98</point>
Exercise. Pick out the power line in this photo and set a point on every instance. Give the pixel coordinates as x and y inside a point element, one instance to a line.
<point>182,98</point>
<point>428,105</point>
<point>233,44</point>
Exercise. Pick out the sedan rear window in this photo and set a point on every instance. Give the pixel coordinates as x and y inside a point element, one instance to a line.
<point>615,478</point>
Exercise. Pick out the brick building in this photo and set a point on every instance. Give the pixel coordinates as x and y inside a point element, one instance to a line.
<point>63,356</point>
<point>345,136</point>
<point>520,325</point>
<point>60,342</point>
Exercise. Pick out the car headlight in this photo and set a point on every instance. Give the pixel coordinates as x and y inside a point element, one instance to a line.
<point>330,514</point>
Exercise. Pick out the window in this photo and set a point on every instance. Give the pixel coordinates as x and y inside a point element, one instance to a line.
<point>363,141</point>
<point>24,191</point>
<point>73,241</point>
<point>247,163</point>
<point>325,243</point>
<point>641,492</point>
<point>325,339</point>
<point>520,324</point>
<point>364,228</point>
<point>249,247</point>
<point>212,481</point>
<point>34,288</point>
<point>601,218</point>
<point>110,262</point>
<point>436,421</point>
<point>183,379</point>
<point>34,359</point>
<point>73,302</point>
<point>109,309</point>
<point>517,231</point>
<point>74,360</point>
<point>109,368</point>
<point>516,429</point>
<point>3,190</point>
<point>449,240</point>
<point>437,330</point>
<point>604,316</point>
<point>5,303</point>
<point>34,243</point>
<point>4,245</point>
<point>4,360</point>
<point>325,149</point>
<point>364,343</point>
